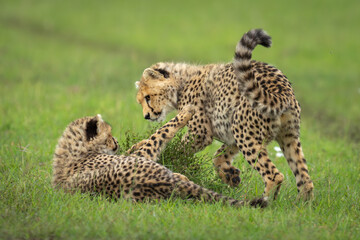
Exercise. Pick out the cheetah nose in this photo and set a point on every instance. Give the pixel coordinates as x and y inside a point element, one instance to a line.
<point>147,116</point>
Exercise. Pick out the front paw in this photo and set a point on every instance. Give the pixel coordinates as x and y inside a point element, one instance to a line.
<point>136,146</point>
<point>230,175</point>
<point>188,109</point>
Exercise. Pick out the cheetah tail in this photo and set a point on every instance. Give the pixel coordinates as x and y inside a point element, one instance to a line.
<point>243,52</point>
<point>265,101</point>
<point>188,189</point>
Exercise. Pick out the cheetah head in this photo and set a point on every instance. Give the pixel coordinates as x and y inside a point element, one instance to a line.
<point>88,135</point>
<point>157,93</point>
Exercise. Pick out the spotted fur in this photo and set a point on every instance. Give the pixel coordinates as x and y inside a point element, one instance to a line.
<point>244,104</point>
<point>84,161</point>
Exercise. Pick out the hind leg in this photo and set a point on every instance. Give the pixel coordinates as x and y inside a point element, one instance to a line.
<point>155,190</point>
<point>222,162</point>
<point>256,155</point>
<point>291,146</point>
<point>270,174</point>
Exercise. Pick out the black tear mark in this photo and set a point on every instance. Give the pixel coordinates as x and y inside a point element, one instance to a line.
<point>152,109</point>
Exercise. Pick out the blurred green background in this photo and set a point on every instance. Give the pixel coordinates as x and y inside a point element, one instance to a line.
<point>61,60</point>
<point>92,43</point>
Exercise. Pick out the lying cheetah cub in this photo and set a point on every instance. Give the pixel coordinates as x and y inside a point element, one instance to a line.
<point>84,160</point>
<point>244,104</point>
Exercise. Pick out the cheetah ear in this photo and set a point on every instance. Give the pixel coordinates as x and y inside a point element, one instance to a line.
<point>137,84</point>
<point>91,128</point>
<point>99,118</point>
<point>150,73</point>
<point>163,72</point>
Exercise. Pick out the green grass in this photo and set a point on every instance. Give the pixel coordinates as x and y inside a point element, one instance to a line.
<point>61,60</point>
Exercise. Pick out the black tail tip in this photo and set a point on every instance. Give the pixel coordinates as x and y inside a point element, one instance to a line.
<point>261,37</point>
<point>259,202</point>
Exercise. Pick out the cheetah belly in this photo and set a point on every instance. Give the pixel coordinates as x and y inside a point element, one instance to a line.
<point>222,129</point>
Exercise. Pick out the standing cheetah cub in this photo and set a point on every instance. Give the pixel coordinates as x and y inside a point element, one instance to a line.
<point>84,160</point>
<point>244,104</point>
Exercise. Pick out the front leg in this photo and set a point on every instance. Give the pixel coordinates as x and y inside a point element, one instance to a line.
<point>222,162</point>
<point>152,147</point>
<point>199,132</point>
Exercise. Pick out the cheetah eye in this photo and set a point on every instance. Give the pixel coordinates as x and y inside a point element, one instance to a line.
<point>147,98</point>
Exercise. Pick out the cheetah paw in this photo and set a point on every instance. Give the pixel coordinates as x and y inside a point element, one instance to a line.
<point>136,146</point>
<point>259,202</point>
<point>306,192</point>
<point>182,177</point>
<point>189,109</point>
<point>230,176</point>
